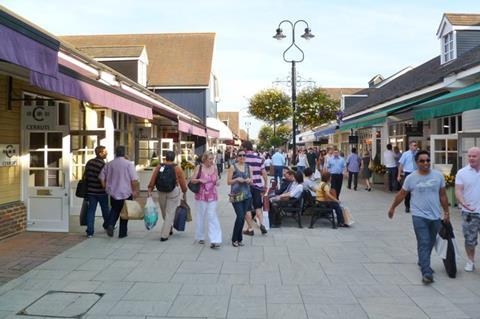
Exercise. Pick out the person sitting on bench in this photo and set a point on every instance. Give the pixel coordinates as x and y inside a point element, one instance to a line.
<point>326,194</point>
<point>290,197</point>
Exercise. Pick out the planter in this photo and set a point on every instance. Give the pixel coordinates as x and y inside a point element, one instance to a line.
<point>452,201</point>
<point>378,179</point>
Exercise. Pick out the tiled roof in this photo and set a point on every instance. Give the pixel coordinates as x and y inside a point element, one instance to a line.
<point>336,93</point>
<point>120,51</point>
<point>427,74</point>
<point>175,59</point>
<point>463,19</point>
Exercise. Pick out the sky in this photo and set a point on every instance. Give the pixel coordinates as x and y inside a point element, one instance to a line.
<point>354,39</point>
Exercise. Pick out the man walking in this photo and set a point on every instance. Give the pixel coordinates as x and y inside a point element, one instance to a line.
<point>120,180</point>
<point>95,191</point>
<point>278,162</point>
<point>467,191</point>
<point>427,187</point>
<point>335,166</point>
<point>353,167</point>
<point>257,188</point>
<point>312,158</point>
<point>392,170</point>
<point>407,166</point>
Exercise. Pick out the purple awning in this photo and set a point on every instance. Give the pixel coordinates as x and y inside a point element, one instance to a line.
<point>18,49</point>
<point>83,91</point>
<point>190,128</point>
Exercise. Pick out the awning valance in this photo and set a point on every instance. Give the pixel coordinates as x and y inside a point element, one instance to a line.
<point>21,50</point>
<point>224,131</point>
<point>455,102</point>
<point>80,90</point>
<point>213,133</point>
<point>192,129</point>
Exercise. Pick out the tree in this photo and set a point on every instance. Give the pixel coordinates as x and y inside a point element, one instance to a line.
<point>271,106</point>
<point>316,107</point>
<point>267,140</point>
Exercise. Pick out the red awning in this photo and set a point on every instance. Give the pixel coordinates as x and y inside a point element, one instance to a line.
<point>190,128</point>
<point>83,91</point>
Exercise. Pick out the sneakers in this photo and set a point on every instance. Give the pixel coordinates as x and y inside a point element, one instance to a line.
<point>407,210</point>
<point>248,232</point>
<point>214,245</point>
<point>263,230</point>
<point>427,279</point>
<point>469,266</point>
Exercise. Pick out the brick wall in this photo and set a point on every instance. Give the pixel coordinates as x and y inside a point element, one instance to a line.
<point>13,219</point>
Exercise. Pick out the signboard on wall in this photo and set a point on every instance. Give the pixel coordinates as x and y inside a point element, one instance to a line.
<point>39,117</point>
<point>9,154</point>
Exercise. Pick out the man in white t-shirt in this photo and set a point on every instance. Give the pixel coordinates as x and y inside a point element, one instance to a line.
<point>392,170</point>
<point>467,191</point>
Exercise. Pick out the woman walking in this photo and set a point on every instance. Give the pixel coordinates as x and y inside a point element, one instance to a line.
<point>219,161</point>
<point>206,200</point>
<point>366,172</point>
<point>302,161</point>
<point>239,178</point>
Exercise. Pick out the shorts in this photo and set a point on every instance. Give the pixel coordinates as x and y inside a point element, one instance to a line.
<point>470,228</point>
<point>257,200</point>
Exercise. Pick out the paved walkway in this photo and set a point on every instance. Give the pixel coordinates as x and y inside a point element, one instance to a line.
<point>367,271</point>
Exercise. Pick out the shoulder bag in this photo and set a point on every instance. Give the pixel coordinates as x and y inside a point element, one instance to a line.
<point>82,186</point>
<point>195,187</point>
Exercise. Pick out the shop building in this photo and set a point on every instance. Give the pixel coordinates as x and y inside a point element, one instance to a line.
<point>436,104</point>
<point>57,104</point>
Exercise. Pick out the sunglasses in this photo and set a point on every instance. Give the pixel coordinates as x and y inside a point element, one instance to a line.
<point>241,155</point>
<point>424,161</point>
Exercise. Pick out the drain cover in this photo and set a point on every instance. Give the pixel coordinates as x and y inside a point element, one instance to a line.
<point>62,304</point>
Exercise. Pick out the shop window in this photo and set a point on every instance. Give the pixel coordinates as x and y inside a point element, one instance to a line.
<point>100,119</point>
<point>449,124</point>
<point>445,151</point>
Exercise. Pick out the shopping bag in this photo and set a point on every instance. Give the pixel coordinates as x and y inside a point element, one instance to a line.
<point>347,216</point>
<point>317,174</point>
<point>150,212</point>
<point>131,210</point>
<point>180,218</point>
<point>446,247</point>
<point>83,213</point>
<point>184,204</point>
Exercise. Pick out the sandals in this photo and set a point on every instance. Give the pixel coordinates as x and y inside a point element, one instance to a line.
<point>237,244</point>
<point>201,242</point>
<point>214,245</point>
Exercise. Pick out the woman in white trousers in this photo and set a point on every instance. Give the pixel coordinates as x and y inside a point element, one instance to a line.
<point>206,174</point>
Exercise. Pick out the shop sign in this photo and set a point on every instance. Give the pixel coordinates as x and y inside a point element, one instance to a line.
<point>414,130</point>
<point>9,154</point>
<point>39,117</point>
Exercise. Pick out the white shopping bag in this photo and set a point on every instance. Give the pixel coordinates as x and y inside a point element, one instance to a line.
<point>317,174</point>
<point>266,221</point>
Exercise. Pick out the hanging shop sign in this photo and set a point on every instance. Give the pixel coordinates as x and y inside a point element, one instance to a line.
<point>9,154</point>
<point>39,117</point>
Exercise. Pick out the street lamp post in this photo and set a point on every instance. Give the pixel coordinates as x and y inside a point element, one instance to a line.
<point>247,125</point>
<point>307,36</point>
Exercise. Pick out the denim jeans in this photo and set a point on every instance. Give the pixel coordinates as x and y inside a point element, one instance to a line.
<point>337,181</point>
<point>426,231</point>
<point>278,173</point>
<point>241,208</point>
<point>92,207</point>
<point>300,169</point>
<point>407,198</point>
<point>355,179</point>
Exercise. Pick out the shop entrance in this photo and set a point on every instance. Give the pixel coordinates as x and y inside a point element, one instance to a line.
<point>46,180</point>
<point>45,163</point>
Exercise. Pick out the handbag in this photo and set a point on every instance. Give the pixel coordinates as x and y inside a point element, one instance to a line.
<point>131,210</point>
<point>81,190</point>
<point>371,166</point>
<point>236,197</point>
<point>195,187</point>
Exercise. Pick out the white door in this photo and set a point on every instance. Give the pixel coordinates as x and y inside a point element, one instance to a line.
<point>46,180</point>
<point>166,144</point>
<point>444,152</point>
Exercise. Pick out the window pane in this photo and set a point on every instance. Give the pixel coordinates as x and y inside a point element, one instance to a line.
<point>55,178</point>
<point>452,145</point>
<point>100,119</point>
<point>440,145</point>
<point>37,140</point>
<point>37,159</point>
<point>36,178</point>
<point>453,125</point>
<point>459,128</point>
<point>62,114</point>
<point>440,158</point>
<point>54,159</point>
<point>54,140</point>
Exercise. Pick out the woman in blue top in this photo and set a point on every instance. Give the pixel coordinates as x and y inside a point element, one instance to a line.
<point>239,178</point>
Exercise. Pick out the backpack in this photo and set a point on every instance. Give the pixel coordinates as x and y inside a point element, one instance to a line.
<point>166,178</point>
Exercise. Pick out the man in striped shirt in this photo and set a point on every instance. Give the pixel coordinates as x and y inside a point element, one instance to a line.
<point>95,192</point>
<point>257,188</point>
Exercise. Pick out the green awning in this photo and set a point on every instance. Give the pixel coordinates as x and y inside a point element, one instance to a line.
<point>452,103</point>
<point>378,117</point>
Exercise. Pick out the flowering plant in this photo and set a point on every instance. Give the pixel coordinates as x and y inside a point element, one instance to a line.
<point>449,180</point>
<point>186,165</point>
<point>380,169</point>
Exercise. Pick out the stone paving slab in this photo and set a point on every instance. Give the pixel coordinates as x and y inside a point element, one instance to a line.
<point>367,271</point>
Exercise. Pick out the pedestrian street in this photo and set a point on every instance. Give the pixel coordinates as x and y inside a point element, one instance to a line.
<point>366,271</point>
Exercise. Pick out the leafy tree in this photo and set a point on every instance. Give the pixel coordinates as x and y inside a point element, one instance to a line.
<point>264,136</point>
<point>315,107</point>
<point>271,106</point>
<point>267,140</point>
